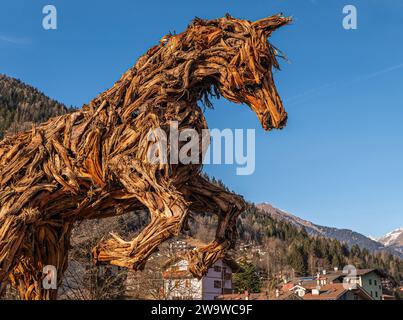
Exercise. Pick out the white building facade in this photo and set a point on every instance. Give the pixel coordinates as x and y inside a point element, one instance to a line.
<point>179,284</point>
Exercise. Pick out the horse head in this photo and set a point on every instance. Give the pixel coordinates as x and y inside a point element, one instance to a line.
<point>236,57</point>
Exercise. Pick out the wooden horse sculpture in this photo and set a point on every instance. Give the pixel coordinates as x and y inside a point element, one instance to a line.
<point>93,163</point>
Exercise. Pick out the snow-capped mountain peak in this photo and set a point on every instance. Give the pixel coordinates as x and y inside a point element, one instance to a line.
<point>347,236</point>
<point>393,238</point>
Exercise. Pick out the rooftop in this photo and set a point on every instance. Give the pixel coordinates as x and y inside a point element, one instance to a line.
<point>334,291</point>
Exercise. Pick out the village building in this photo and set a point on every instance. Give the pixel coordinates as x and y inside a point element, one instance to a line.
<point>367,280</point>
<point>260,296</point>
<point>335,291</point>
<point>364,284</point>
<point>180,284</point>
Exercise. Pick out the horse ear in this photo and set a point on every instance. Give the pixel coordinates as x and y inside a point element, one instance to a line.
<point>197,22</point>
<point>269,24</point>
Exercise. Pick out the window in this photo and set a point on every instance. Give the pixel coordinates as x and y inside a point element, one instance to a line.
<point>375,283</point>
<point>372,294</point>
<point>217,284</point>
<point>217,268</point>
<point>376,294</point>
<point>370,281</point>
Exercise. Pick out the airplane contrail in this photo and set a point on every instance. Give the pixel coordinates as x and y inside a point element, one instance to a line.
<point>14,40</point>
<point>294,99</point>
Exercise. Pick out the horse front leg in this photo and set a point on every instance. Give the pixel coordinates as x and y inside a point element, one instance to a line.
<point>12,236</point>
<point>168,210</point>
<point>208,197</point>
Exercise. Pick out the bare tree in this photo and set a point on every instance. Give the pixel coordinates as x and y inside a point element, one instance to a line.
<point>83,279</point>
<point>158,281</point>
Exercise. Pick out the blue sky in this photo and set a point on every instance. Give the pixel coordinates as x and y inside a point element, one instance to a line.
<point>339,162</point>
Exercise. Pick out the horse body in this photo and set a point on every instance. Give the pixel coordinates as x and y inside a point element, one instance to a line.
<point>93,163</point>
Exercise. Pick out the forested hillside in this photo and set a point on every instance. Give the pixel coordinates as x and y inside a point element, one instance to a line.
<point>347,236</point>
<point>21,105</point>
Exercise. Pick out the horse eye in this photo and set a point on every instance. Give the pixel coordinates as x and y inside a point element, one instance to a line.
<point>229,28</point>
<point>252,87</point>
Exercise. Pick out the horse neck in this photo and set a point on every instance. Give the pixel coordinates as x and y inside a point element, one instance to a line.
<point>156,82</point>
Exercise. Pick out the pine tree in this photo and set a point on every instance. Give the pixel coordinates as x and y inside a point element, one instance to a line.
<point>297,259</point>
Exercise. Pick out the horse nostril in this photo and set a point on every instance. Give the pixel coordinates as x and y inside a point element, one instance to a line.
<point>269,123</point>
<point>283,120</point>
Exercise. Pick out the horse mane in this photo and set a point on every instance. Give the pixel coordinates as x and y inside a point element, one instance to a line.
<point>165,73</point>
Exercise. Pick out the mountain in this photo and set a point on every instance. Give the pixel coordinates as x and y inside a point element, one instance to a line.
<point>343,235</point>
<point>22,105</point>
<point>393,240</point>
